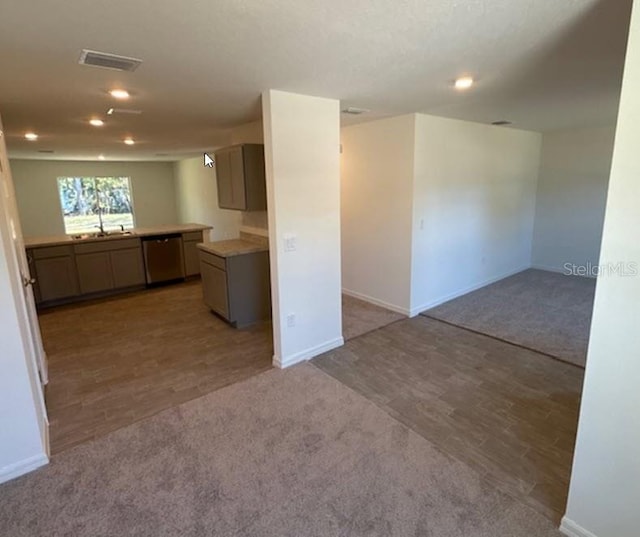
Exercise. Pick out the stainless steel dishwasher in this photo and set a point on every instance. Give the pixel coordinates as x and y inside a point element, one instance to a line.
<point>163,258</point>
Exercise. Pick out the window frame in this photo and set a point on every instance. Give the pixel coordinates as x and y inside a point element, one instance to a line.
<point>95,227</point>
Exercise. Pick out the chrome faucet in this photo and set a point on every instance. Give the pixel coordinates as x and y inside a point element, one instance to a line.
<point>101,226</point>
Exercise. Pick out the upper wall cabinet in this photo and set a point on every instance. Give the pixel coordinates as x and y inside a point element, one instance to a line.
<point>241,178</point>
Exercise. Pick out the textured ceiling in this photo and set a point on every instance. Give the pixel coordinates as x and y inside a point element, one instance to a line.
<point>544,64</point>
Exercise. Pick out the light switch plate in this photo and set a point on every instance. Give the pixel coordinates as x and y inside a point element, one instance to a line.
<point>290,242</point>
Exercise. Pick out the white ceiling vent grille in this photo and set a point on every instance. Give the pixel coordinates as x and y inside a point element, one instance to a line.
<point>355,111</point>
<point>108,61</point>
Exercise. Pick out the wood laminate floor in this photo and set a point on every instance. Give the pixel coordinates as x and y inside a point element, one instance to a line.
<point>113,362</point>
<point>508,412</point>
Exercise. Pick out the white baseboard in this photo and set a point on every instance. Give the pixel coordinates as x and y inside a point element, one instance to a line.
<point>22,467</point>
<point>547,268</point>
<point>559,270</point>
<point>571,529</point>
<point>307,354</point>
<point>376,302</point>
<point>432,304</point>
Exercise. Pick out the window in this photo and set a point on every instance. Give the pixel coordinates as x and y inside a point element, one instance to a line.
<point>89,201</point>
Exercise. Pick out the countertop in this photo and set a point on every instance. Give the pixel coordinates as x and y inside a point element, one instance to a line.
<point>232,247</point>
<point>57,240</point>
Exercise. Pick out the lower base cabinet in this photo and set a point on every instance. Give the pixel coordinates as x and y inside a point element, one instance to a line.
<point>238,287</point>
<point>66,273</point>
<point>104,266</point>
<point>214,288</point>
<point>94,272</point>
<point>54,270</point>
<point>190,252</point>
<point>127,266</point>
<point>86,269</point>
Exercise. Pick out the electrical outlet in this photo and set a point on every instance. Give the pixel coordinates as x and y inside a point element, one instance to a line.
<point>291,320</point>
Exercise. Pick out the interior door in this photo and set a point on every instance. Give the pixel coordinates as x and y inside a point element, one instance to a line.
<point>8,206</point>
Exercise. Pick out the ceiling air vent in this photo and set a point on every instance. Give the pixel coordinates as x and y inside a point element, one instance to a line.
<point>355,111</point>
<point>108,61</point>
<point>502,122</point>
<point>45,151</point>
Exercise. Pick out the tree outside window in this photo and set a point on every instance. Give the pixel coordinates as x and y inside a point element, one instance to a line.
<point>84,199</point>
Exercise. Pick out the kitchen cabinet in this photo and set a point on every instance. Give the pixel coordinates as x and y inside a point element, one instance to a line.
<point>79,269</point>
<point>103,266</point>
<point>94,272</point>
<point>240,176</point>
<point>55,273</point>
<point>214,288</point>
<point>128,267</point>
<point>190,243</point>
<point>237,288</point>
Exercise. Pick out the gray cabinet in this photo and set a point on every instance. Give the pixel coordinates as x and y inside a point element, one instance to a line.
<point>190,243</point>
<point>106,265</point>
<point>94,272</point>
<point>73,271</point>
<point>240,177</point>
<point>55,273</point>
<point>214,288</point>
<point>128,267</point>
<point>237,288</point>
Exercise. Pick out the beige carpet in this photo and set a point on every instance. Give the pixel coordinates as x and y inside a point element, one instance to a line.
<point>360,317</point>
<point>543,311</point>
<point>286,453</point>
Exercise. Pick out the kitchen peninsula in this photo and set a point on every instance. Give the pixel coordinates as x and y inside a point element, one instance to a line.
<point>235,279</point>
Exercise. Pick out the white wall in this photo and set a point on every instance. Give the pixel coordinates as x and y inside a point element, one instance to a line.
<point>197,199</point>
<point>376,194</point>
<point>433,208</point>
<point>473,206</point>
<point>302,139</point>
<point>604,495</point>
<point>572,193</point>
<point>23,427</point>
<point>39,204</point>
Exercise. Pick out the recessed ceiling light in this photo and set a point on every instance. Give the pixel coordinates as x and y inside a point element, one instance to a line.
<point>31,136</point>
<point>129,141</point>
<point>464,82</point>
<point>119,94</point>
<point>100,157</point>
<point>96,122</point>
<point>110,111</point>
